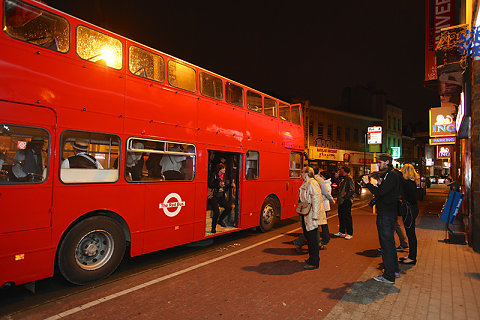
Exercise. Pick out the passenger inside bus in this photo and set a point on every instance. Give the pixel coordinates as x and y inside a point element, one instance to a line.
<point>171,164</point>
<point>28,162</point>
<point>81,159</point>
<point>153,166</point>
<point>134,162</point>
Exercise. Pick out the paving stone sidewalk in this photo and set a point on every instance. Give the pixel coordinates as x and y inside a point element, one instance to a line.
<point>445,283</point>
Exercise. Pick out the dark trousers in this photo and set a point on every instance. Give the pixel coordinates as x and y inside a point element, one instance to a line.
<point>215,203</point>
<point>312,242</point>
<point>345,217</point>
<point>386,229</point>
<point>409,224</point>
<point>325,234</point>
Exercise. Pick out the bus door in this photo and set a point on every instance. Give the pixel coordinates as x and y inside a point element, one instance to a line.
<point>226,196</point>
<point>169,193</point>
<point>25,157</point>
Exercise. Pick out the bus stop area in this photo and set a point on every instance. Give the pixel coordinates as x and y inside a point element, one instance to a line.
<point>260,276</point>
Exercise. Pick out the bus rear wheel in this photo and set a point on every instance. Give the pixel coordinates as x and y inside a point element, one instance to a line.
<point>268,215</point>
<point>91,250</point>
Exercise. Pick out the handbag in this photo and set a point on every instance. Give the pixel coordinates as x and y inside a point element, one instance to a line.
<point>404,208</point>
<point>303,208</point>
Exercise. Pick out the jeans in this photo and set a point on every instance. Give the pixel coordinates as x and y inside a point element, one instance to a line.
<point>345,217</point>
<point>312,242</point>
<point>386,229</point>
<point>409,224</point>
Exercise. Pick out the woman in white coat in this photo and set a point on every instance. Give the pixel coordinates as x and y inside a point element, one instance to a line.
<point>310,192</point>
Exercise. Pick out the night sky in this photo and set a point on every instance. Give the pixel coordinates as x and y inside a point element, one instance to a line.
<point>303,49</point>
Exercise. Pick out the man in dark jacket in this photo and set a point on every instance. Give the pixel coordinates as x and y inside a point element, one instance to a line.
<point>387,195</point>
<point>345,199</point>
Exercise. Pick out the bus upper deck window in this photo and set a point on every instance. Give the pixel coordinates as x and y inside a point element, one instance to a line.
<point>146,64</point>
<point>98,47</point>
<point>254,101</point>
<point>234,94</point>
<point>211,86</point>
<point>296,115</point>
<point>270,107</point>
<point>181,76</point>
<point>284,112</point>
<point>34,25</point>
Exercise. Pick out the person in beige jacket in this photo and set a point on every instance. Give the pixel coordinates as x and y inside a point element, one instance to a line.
<point>310,192</point>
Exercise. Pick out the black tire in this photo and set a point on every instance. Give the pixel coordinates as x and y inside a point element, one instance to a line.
<point>91,250</point>
<point>268,215</point>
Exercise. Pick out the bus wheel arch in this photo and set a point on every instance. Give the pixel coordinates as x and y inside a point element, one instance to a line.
<point>92,248</point>
<point>269,213</point>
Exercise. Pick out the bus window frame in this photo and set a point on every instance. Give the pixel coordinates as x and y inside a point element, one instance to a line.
<point>60,154</point>
<point>242,105</point>
<point>187,66</point>
<point>260,110</point>
<point>129,144</point>
<point>48,153</point>
<point>153,53</point>
<point>122,55</point>
<point>290,112</point>
<point>294,169</point>
<point>275,108</point>
<point>247,168</point>
<point>298,107</point>
<point>200,73</point>
<point>31,43</point>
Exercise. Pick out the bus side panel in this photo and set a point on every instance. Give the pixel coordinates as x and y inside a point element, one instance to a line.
<point>297,132</point>
<point>169,214</point>
<point>32,258</point>
<point>263,130</point>
<point>220,124</point>
<point>160,111</point>
<point>90,86</point>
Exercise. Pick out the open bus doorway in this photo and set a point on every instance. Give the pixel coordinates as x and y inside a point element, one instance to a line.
<point>231,179</point>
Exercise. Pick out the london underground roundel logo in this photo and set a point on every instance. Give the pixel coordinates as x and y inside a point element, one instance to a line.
<point>176,206</point>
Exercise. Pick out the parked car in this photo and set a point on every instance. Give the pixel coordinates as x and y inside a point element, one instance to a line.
<point>434,179</point>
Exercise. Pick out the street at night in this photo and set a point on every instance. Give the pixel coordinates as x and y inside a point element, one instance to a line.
<point>251,275</point>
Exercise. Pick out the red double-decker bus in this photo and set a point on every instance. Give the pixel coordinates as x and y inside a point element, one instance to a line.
<point>107,146</point>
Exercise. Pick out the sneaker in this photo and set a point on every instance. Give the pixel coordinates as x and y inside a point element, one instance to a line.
<point>348,237</point>
<point>339,234</point>
<point>401,248</point>
<point>382,279</point>
<point>397,275</point>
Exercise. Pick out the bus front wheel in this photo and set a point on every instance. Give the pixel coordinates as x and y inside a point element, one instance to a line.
<point>91,250</point>
<point>268,215</point>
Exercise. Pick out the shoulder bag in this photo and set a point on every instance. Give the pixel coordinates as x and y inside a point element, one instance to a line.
<point>303,208</point>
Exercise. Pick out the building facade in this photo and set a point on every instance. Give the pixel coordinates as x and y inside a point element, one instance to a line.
<point>334,138</point>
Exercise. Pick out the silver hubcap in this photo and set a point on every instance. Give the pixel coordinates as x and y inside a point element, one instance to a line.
<point>268,214</point>
<point>94,250</point>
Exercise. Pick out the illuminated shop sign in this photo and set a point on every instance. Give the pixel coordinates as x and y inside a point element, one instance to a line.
<point>444,152</point>
<point>374,135</point>
<point>441,121</point>
<point>395,152</point>
<point>443,140</point>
